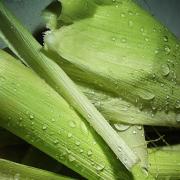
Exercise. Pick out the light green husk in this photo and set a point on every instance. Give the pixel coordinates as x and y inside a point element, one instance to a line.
<point>27,49</point>
<point>164,164</point>
<point>32,110</point>
<point>10,170</point>
<point>136,139</point>
<point>117,110</point>
<point>120,48</point>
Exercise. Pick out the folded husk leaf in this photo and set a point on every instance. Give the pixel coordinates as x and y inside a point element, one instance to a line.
<point>32,110</point>
<point>122,49</point>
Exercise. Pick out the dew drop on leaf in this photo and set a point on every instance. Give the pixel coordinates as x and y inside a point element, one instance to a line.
<point>165,70</point>
<point>113,38</point>
<point>146,39</point>
<point>84,128</point>
<point>156,51</point>
<point>165,38</point>
<point>44,127</point>
<point>77,143</point>
<point>177,105</point>
<point>167,49</point>
<point>56,141</point>
<point>17,176</point>
<point>71,158</point>
<point>121,127</point>
<point>122,15</point>
<point>100,167</point>
<point>123,40</point>
<point>72,124</point>
<point>89,153</point>
<point>31,116</point>
<point>130,23</point>
<point>147,96</point>
<point>139,127</point>
<point>69,135</point>
<point>178,118</point>
<point>119,149</point>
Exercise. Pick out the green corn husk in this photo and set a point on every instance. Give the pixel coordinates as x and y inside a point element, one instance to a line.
<point>117,110</point>
<point>134,136</point>
<point>30,109</point>
<point>136,56</point>
<point>164,164</point>
<point>27,49</point>
<point>10,170</point>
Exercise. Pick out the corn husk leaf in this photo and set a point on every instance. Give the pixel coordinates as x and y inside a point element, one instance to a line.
<point>27,49</point>
<point>32,110</point>
<point>137,57</point>
<point>11,170</point>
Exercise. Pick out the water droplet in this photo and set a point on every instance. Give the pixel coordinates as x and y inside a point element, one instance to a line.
<point>69,135</point>
<point>146,39</point>
<point>156,51</point>
<point>177,105</point>
<point>165,38</point>
<point>162,85</point>
<point>90,153</point>
<point>147,96</point>
<point>113,38</point>
<point>68,151</point>
<point>130,23</point>
<point>122,15</point>
<point>145,171</point>
<point>53,120</point>
<point>16,176</point>
<point>123,40</point>
<point>121,127</point>
<point>84,128</point>
<point>119,149</point>
<point>56,141</point>
<point>130,13</point>
<point>167,49</point>
<point>178,118</point>
<point>31,116</point>
<point>77,143</point>
<point>165,70</point>
<point>72,124</point>
<point>92,163</point>
<point>98,103</point>
<point>134,132</point>
<point>139,127</point>
<point>44,127</point>
<point>81,150</point>
<point>100,167</point>
<point>142,29</point>
<point>153,76</point>
<point>154,30</point>
<point>71,158</point>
